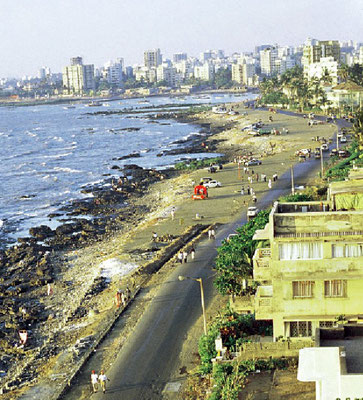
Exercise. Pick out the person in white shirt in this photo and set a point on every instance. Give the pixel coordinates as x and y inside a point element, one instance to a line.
<point>94,381</point>
<point>103,379</point>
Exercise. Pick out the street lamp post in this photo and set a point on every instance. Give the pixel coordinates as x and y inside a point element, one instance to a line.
<point>183,278</point>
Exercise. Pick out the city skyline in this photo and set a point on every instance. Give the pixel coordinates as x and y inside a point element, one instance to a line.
<point>37,33</point>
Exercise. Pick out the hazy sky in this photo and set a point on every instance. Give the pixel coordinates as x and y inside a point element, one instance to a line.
<point>34,33</point>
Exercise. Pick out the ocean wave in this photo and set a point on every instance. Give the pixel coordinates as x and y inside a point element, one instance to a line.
<point>66,169</point>
<point>1,223</point>
<point>58,139</point>
<point>58,155</point>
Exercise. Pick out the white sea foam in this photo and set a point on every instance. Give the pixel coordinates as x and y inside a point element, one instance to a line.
<point>1,223</point>
<point>66,169</point>
<point>116,267</point>
<point>58,139</point>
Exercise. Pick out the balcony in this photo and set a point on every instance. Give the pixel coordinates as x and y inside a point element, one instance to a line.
<point>263,302</point>
<point>261,264</point>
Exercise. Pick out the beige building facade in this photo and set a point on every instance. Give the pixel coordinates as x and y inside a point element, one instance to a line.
<point>312,273</point>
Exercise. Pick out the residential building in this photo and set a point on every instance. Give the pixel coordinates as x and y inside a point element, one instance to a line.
<point>78,78</point>
<point>169,75</point>
<point>152,58</point>
<point>326,67</point>
<point>268,58</point>
<point>361,55</point>
<point>313,270</point>
<point>243,72</point>
<point>312,53</point>
<point>178,57</point>
<point>346,94</point>
<point>144,73</point>
<point>185,69</point>
<point>204,72</point>
<point>114,72</point>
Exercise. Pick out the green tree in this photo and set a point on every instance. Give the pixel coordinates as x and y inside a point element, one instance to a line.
<point>234,259</point>
<point>223,78</point>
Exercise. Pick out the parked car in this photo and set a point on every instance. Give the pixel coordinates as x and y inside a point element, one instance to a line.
<point>340,134</point>
<point>212,184</point>
<point>343,153</point>
<point>343,139</point>
<point>325,147</point>
<point>252,212</point>
<point>334,152</point>
<point>253,162</point>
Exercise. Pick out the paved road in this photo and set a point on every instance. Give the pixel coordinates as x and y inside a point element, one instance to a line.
<point>147,361</point>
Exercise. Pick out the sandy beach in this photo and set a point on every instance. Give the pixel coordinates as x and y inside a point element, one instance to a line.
<point>85,285</point>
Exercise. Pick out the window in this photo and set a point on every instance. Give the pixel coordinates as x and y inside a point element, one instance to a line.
<point>302,289</point>
<point>335,288</point>
<point>347,250</point>
<point>300,328</point>
<point>300,251</point>
<point>326,324</point>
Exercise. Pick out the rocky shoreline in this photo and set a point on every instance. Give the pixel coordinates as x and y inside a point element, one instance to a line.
<point>31,266</point>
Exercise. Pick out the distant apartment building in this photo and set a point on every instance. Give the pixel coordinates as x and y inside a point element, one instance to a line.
<point>152,58</point>
<point>361,55</point>
<point>145,73</point>
<point>312,53</point>
<point>327,66</point>
<point>169,75</point>
<point>78,78</point>
<point>178,57</point>
<point>44,73</point>
<point>268,59</point>
<point>312,272</point>
<point>113,72</point>
<point>204,72</point>
<point>244,71</point>
<point>184,68</point>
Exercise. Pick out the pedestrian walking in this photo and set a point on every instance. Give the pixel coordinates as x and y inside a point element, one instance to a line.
<point>242,191</point>
<point>123,299</point>
<point>269,184</point>
<point>180,257</point>
<point>103,379</point>
<point>185,256</point>
<point>209,233</point>
<point>248,190</point>
<point>254,199</point>
<point>213,234</point>
<point>155,236</point>
<point>172,213</point>
<point>192,252</point>
<point>94,381</point>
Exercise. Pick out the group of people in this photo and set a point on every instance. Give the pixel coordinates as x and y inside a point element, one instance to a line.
<point>211,234</point>
<point>183,255</point>
<point>98,379</point>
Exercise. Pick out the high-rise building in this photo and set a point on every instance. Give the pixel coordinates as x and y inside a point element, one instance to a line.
<point>114,72</point>
<point>204,72</point>
<point>177,57</point>
<point>152,58</point>
<point>76,61</point>
<point>268,57</point>
<point>78,78</point>
<point>243,72</point>
<point>321,48</point>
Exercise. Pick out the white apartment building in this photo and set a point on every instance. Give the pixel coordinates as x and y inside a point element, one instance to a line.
<point>144,73</point>
<point>184,68</point>
<point>169,75</point>
<point>268,59</point>
<point>319,69</point>
<point>113,72</point>
<point>204,72</point>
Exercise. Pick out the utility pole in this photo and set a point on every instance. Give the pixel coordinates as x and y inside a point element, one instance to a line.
<point>292,180</point>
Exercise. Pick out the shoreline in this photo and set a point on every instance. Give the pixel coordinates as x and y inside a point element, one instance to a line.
<point>71,265</point>
<point>55,101</point>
